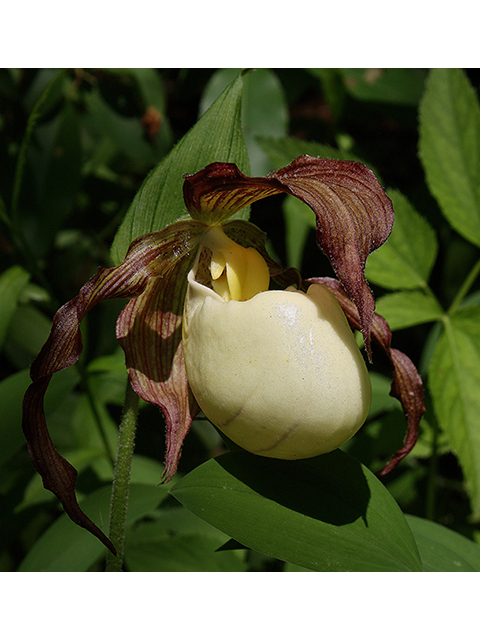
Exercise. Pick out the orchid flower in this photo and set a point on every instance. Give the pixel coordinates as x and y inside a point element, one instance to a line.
<point>278,371</point>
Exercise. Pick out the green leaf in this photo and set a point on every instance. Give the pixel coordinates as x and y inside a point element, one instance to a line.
<point>333,89</point>
<point>408,308</point>
<point>12,283</point>
<point>12,390</point>
<point>143,471</point>
<point>26,335</point>
<point>182,552</point>
<point>264,110</point>
<point>67,547</point>
<point>123,136</point>
<point>217,137</point>
<point>179,541</point>
<point>406,259</point>
<point>450,148</point>
<point>327,513</point>
<point>442,549</point>
<point>454,374</point>
<point>298,221</point>
<point>49,94</point>
<point>282,151</point>
<point>36,493</point>
<point>382,401</point>
<point>397,86</point>
<point>374,443</point>
<point>56,165</point>
<point>151,86</point>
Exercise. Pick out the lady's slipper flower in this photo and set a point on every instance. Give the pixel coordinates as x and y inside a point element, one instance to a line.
<point>279,372</point>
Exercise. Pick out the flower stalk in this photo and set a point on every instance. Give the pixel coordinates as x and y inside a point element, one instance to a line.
<point>465,288</point>
<point>121,480</point>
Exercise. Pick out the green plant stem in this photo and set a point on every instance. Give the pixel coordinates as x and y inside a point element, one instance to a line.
<point>12,221</point>
<point>23,249</point>
<point>22,155</point>
<point>431,490</point>
<point>97,418</point>
<point>465,288</point>
<point>121,479</point>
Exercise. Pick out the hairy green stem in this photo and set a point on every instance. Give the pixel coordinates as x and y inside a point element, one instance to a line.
<point>121,480</point>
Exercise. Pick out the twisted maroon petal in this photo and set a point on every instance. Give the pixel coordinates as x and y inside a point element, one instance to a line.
<point>149,330</point>
<point>147,258</point>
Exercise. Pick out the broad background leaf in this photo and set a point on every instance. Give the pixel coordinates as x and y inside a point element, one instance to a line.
<point>406,259</point>
<point>144,471</point>
<point>381,399</point>
<point>115,133</point>
<point>442,549</point>
<point>327,513</point>
<point>298,222</point>
<point>26,334</point>
<point>12,390</point>
<point>56,167</point>
<point>67,547</point>
<point>12,283</point>
<point>450,148</point>
<point>282,151</point>
<point>454,375</point>
<point>178,540</point>
<point>264,110</point>
<point>397,86</point>
<point>216,137</point>
<point>333,89</point>
<point>408,308</point>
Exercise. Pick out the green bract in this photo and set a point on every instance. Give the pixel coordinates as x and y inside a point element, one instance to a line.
<point>231,267</point>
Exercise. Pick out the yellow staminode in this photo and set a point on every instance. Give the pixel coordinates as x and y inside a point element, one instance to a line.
<point>238,273</point>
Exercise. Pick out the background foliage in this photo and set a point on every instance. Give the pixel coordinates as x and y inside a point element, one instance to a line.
<point>75,149</point>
